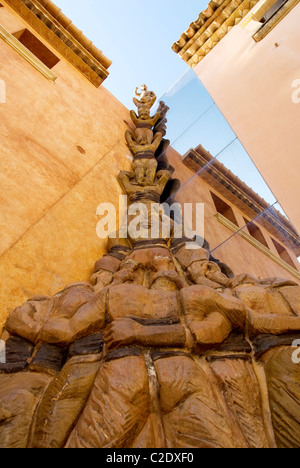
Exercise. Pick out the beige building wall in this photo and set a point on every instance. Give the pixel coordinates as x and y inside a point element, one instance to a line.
<point>252,84</point>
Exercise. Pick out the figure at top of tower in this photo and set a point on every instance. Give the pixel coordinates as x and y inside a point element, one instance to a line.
<point>147,98</point>
<point>142,142</point>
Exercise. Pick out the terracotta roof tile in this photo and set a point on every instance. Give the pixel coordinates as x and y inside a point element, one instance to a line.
<point>210,28</point>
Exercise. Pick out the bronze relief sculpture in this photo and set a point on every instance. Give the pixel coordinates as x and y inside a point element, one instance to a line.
<point>160,349</point>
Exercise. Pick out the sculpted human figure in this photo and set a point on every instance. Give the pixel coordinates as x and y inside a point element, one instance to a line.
<point>200,269</point>
<point>143,137</point>
<point>145,164</point>
<point>143,120</point>
<point>60,319</point>
<point>150,279</point>
<point>270,306</point>
<point>39,338</point>
<point>143,145</point>
<point>146,97</point>
<point>130,186</point>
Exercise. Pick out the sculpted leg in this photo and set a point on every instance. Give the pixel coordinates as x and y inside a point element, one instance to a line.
<point>151,171</point>
<point>118,406</point>
<point>283,378</point>
<point>63,402</point>
<point>20,395</point>
<point>139,170</point>
<point>242,393</point>
<point>193,414</point>
<point>145,171</point>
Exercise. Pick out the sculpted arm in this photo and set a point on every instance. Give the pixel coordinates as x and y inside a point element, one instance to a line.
<point>156,118</point>
<point>273,324</point>
<point>211,316</point>
<point>89,318</point>
<point>134,118</point>
<point>163,178</point>
<point>212,330</point>
<point>22,322</point>
<point>156,141</point>
<point>126,331</point>
<point>124,180</point>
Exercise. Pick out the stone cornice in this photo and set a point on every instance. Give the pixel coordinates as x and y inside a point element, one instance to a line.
<point>242,196</point>
<point>26,54</point>
<point>62,35</point>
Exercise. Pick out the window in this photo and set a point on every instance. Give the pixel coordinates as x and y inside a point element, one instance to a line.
<point>224,209</point>
<point>270,14</point>
<point>271,11</point>
<point>256,233</point>
<point>283,253</point>
<point>35,46</point>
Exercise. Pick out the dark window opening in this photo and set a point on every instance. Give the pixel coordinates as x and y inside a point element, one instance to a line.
<point>35,46</point>
<point>273,10</point>
<point>256,233</point>
<point>224,209</point>
<point>283,253</point>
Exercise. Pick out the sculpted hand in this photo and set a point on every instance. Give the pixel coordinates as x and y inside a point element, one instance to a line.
<point>122,332</point>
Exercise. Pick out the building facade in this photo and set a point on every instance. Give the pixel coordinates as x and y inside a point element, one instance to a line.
<point>239,227</point>
<point>62,143</point>
<point>246,53</point>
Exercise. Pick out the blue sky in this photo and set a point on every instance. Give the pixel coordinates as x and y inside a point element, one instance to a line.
<point>137,36</point>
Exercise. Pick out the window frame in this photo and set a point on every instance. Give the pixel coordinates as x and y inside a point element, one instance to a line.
<point>270,24</point>
<point>26,54</point>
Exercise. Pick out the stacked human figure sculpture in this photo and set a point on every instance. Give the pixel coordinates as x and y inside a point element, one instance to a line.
<point>160,349</point>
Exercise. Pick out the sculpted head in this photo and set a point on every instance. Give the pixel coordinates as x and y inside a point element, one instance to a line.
<point>144,136</point>
<point>153,268</point>
<point>144,112</point>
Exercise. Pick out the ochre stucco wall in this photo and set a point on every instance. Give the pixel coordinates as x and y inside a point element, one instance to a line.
<point>49,190</point>
<point>252,85</point>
